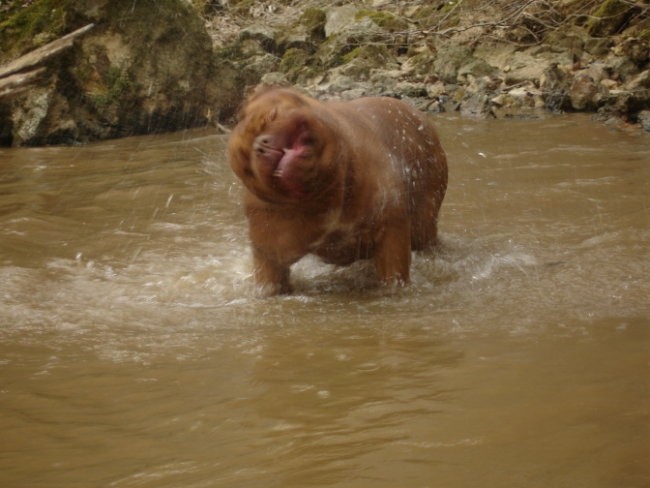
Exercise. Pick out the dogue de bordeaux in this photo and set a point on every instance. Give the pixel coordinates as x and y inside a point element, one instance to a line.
<point>362,179</point>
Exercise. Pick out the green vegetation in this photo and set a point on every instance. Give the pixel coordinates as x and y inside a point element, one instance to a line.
<point>385,20</point>
<point>608,18</point>
<point>116,83</point>
<point>297,63</point>
<point>376,54</point>
<point>24,25</point>
<point>313,19</point>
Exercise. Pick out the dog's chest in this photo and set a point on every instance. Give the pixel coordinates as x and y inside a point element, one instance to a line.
<point>345,243</point>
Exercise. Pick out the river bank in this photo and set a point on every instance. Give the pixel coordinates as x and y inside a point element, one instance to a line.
<point>146,66</point>
<point>481,58</point>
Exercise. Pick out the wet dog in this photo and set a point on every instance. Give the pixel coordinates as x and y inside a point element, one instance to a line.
<point>342,180</point>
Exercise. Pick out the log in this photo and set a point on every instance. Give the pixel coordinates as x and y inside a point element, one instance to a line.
<point>19,82</point>
<point>18,74</point>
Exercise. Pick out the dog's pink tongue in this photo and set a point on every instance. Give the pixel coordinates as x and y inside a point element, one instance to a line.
<point>286,172</point>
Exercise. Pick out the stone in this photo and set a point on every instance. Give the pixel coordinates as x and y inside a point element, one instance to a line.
<point>476,106</point>
<point>521,101</point>
<point>586,93</point>
<point>338,19</point>
<point>449,60</point>
<point>127,75</point>
<point>608,18</point>
<point>475,68</point>
<point>262,34</point>
<point>640,81</point>
<point>644,119</point>
<point>636,50</point>
<point>275,78</point>
<point>554,85</point>
<point>410,89</point>
<point>419,64</point>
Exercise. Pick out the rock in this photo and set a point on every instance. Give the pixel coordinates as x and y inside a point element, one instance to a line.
<point>296,64</point>
<point>410,89</point>
<point>642,80</point>
<point>625,104</point>
<point>449,59</point>
<point>497,54</point>
<point>554,85</point>
<point>351,36</point>
<point>529,65</point>
<point>476,106</point>
<point>475,100</point>
<point>419,64</point>
<point>128,75</point>
<point>385,81</point>
<point>598,72</point>
<point>634,49</point>
<point>571,39</point>
<point>475,68</point>
<point>644,119</point>
<point>257,66</point>
<point>586,93</point>
<point>148,64</point>
<point>522,101</point>
<point>610,17</point>
<point>262,34</point>
<point>446,57</point>
<point>361,61</point>
<point>30,115</point>
<point>336,83</point>
<point>597,46</point>
<point>275,78</point>
<point>339,19</point>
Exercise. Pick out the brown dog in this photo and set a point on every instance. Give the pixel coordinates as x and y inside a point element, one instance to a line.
<point>341,180</point>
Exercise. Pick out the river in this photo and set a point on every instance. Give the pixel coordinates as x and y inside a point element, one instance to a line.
<point>135,353</point>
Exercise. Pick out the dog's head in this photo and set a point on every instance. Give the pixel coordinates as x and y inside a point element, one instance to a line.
<point>283,148</point>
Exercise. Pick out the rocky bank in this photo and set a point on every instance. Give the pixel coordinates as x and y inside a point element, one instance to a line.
<point>123,67</point>
<point>482,58</point>
<point>142,66</point>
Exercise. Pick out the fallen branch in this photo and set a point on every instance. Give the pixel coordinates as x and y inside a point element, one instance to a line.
<point>15,84</point>
<point>17,74</point>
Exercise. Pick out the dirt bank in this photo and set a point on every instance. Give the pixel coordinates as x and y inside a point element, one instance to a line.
<point>144,66</point>
<point>482,58</point>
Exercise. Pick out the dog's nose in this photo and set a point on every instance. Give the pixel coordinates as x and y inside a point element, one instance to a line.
<point>262,143</point>
<point>267,148</point>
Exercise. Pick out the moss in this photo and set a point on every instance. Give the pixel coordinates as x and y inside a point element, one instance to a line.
<point>136,15</point>
<point>372,53</point>
<point>313,19</point>
<point>385,20</point>
<point>115,83</point>
<point>229,51</point>
<point>431,14</point>
<point>297,63</point>
<point>610,8</point>
<point>25,28</point>
<point>331,51</point>
<point>609,18</point>
<point>22,24</point>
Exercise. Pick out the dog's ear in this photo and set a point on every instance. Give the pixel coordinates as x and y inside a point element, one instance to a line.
<point>251,94</point>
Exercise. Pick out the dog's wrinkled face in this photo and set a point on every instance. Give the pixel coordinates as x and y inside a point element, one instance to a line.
<point>281,149</point>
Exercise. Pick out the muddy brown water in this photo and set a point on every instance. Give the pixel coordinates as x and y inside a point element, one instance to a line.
<point>133,352</point>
